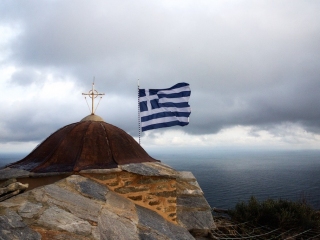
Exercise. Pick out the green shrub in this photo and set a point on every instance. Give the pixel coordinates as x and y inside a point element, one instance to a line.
<point>277,214</point>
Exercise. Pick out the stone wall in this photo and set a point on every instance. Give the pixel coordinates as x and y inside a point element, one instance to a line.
<point>157,193</point>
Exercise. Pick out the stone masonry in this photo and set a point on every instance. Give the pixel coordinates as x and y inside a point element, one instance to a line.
<point>134,201</point>
<point>153,192</point>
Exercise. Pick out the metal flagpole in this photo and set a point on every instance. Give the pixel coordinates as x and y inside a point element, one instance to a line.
<point>139,120</point>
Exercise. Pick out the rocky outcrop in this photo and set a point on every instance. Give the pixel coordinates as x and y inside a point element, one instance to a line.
<point>138,201</point>
<point>11,188</point>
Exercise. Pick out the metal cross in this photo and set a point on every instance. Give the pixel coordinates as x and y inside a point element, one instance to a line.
<point>93,94</point>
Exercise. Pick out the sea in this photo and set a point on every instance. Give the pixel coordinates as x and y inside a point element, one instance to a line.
<point>228,177</point>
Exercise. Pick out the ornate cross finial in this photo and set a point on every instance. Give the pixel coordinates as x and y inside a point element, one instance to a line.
<point>93,94</point>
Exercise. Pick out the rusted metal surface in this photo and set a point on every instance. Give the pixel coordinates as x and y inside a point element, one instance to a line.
<point>84,145</point>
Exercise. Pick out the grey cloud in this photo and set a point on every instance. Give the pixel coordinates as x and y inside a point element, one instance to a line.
<point>24,77</point>
<point>248,63</point>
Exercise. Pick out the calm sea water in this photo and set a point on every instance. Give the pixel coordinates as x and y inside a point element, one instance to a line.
<point>229,177</point>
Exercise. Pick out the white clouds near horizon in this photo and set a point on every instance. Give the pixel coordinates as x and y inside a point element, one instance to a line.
<point>253,67</point>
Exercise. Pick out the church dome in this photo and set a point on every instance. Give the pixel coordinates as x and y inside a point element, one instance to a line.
<point>88,144</point>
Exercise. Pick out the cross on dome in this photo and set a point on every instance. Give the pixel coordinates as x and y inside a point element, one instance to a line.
<point>93,94</point>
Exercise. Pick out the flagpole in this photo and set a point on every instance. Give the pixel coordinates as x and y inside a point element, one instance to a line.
<point>139,120</point>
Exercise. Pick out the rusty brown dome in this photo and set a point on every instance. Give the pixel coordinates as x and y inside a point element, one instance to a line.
<point>84,145</point>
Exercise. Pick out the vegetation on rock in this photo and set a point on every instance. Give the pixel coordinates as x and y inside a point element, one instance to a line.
<point>279,213</point>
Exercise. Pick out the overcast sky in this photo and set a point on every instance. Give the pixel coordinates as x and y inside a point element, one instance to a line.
<point>253,68</point>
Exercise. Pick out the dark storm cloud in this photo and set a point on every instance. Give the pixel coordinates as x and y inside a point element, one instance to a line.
<point>251,63</point>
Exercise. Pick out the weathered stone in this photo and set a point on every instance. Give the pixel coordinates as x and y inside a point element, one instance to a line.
<point>78,205</point>
<point>103,176</point>
<point>194,213</point>
<point>165,194</point>
<point>88,187</point>
<point>9,195</point>
<point>12,227</point>
<point>195,220</point>
<point>101,171</point>
<point>185,175</point>
<point>50,234</point>
<point>153,226</point>
<point>28,209</point>
<point>16,201</point>
<point>148,180</point>
<point>79,208</point>
<point>141,169</point>
<point>95,233</point>
<point>7,173</point>
<point>8,182</point>
<point>121,206</point>
<point>13,187</point>
<point>49,174</point>
<point>163,169</point>
<point>194,202</point>
<point>57,218</point>
<point>189,188</point>
<point>124,190</point>
<point>112,226</point>
<point>150,169</point>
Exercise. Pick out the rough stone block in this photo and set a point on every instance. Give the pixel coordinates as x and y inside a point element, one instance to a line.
<point>165,194</point>
<point>194,202</point>
<point>111,226</point>
<point>149,180</point>
<point>7,173</point>
<point>153,226</point>
<point>189,188</point>
<point>80,206</point>
<point>29,210</point>
<point>87,187</point>
<point>13,187</point>
<point>195,220</point>
<point>121,206</point>
<point>57,218</point>
<point>12,227</point>
<point>8,182</point>
<point>185,175</point>
<point>50,234</point>
<point>125,190</point>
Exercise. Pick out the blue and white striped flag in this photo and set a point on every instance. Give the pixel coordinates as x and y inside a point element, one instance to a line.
<point>164,107</point>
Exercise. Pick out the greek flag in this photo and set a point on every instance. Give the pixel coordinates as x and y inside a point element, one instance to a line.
<point>164,107</point>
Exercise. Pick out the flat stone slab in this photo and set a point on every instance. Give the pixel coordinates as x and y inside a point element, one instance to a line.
<point>87,187</point>
<point>195,202</point>
<point>115,227</point>
<point>188,187</point>
<point>102,171</point>
<point>153,226</point>
<point>7,173</point>
<point>13,227</point>
<point>150,169</point>
<point>195,220</point>
<point>29,210</point>
<point>186,175</point>
<point>57,218</point>
<point>77,204</point>
<point>193,210</point>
